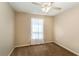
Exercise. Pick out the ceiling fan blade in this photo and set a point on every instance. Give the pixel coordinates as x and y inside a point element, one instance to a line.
<point>35,3</point>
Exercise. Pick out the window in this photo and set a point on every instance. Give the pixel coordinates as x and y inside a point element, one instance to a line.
<point>37,28</point>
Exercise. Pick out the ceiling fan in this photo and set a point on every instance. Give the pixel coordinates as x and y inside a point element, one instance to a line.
<point>46,6</point>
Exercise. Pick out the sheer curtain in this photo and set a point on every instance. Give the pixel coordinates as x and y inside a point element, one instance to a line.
<point>37,36</point>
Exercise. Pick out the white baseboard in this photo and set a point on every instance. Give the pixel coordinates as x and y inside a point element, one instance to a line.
<point>30,44</point>
<point>67,48</point>
<point>22,45</point>
<point>11,51</point>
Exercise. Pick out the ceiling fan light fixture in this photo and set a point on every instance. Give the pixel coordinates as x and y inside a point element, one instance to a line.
<point>46,9</point>
<point>46,6</point>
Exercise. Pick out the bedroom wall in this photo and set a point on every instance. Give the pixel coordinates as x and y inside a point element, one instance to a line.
<point>7,28</point>
<point>67,29</point>
<point>23,26</point>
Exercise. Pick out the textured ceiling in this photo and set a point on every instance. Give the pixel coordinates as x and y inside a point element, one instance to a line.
<point>28,7</point>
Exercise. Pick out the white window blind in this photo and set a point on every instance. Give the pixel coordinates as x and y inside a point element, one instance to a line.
<point>37,28</point>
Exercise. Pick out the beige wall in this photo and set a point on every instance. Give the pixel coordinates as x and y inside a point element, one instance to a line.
<point>65,26</point>
<point>67,29</point>
<point>23,23</point>
<point>6,29</point>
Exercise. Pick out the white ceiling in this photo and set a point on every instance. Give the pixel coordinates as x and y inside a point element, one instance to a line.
<point>28,7</point>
